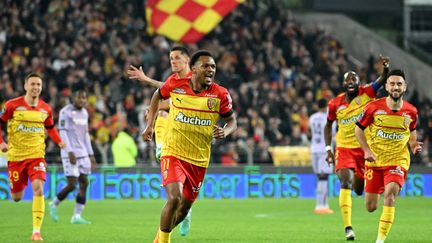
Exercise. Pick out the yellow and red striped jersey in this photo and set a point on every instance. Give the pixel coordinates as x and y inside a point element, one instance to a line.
<point>389,132</point>
<point>26,128</point>
<point>347,114</point>
<point>191,120</point>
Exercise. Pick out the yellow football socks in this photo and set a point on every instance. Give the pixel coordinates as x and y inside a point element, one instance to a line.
<point>345,204</point>
<point>164,237</point>
<point>386,222</point>
<point>38,211</point>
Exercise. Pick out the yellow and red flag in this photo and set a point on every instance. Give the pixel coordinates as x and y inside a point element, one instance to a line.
<point>186,21</point>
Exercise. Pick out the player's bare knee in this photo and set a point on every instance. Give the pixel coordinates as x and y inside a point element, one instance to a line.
<point>371,206</point>
<point>174,201</point>
<point>346,184</point>
<point>16,199</point>
<point>358,191</point>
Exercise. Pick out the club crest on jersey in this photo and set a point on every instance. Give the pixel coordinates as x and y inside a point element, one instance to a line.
<point>397,171</point>
<point>211,103</point>
<point>41,167</point>
<point>44,113</point>
<point>196,189</point>
<point>357,100</point>
<point>407,119</point>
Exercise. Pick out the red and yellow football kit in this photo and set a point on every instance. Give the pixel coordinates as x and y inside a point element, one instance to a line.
<point>348,153</point>
<point>389,135</point>
<point>26,140</point>
<point>188,139</point>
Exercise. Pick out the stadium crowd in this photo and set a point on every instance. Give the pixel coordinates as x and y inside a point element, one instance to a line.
<point>274,68</point>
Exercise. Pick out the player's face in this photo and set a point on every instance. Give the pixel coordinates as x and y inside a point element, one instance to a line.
<point>33,87</point>
<point>205,70</point>
<point>179,61</point>
<point>351,83</point>
<point>396,87</point>
<point>80,100</point>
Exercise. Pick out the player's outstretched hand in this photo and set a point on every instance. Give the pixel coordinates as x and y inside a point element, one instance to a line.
<point>416,147</point>
<point>218,132</point>
<point>384,60</point>
<point>369,155</point>
<point>135,73</point>
<point>62,145</point>
<point>330,158</point>
<point>4,147</point>
<point>147,134</point>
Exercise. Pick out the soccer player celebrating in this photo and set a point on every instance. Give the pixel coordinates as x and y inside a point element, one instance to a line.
<point>179,60</point>
<point>27,118</point>
<point>317,122</point>
<point>77,157</point>
<point>196,106</point>
<point>349,157</point>
<point>392,123</point>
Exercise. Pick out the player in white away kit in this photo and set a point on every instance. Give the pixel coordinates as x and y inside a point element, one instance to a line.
<point>317,122</point>
<point>77,157</point>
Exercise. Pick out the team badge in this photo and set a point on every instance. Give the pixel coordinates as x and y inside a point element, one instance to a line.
<point>407,121</point>
<point>211,103</point>
<point>357,100</point>
<point>196,189</point>
<point>41,167</point>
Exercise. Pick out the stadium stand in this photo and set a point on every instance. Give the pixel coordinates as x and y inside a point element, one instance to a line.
<point>274,68</point>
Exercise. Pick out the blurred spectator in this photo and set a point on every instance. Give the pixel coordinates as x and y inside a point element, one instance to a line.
<point>124,150</point>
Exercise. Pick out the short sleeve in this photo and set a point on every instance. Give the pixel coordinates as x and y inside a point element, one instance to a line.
<point>226,104</point>
<point>7,111</point>
<point>331,111</point>
<point>369,90</point>
<point>49,122</point>
<point>166,88</point>
<point>413,124</point>
<point>366,118</point>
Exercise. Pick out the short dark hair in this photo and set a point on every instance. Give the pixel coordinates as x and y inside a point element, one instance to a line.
<point>322,103</point>
<point>397,72</point>
<point>32,75</point>
<point>197,55</point>
<point>182,49</point>
<point>79,91</point>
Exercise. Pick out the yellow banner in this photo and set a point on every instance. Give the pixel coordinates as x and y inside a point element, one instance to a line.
<point>291,155</point>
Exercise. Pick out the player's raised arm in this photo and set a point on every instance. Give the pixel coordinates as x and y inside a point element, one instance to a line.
<point>385,61</point>
<point>139,74</point>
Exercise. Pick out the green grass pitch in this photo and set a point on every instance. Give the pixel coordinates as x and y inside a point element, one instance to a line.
<point>248,220</point>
